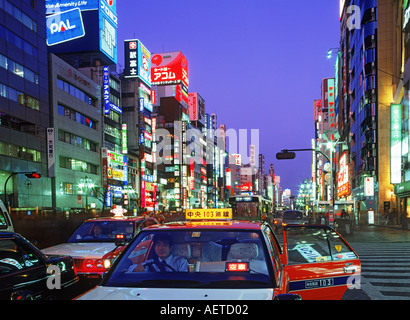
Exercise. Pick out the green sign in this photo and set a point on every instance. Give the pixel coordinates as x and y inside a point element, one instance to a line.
<point>395,143</point>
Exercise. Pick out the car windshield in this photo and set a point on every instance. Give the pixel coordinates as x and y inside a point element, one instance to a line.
<point>102,231</point>
<point>198,259</point>
<point>293,215</point>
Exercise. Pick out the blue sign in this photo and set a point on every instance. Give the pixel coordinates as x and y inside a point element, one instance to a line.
<point>106,90</point>
<point>54,6</point>
<point>64,26</point>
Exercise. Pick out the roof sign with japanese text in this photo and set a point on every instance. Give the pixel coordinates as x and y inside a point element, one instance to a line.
<point>208,214</point>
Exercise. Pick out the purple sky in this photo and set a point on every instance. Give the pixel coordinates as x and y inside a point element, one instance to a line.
<point>257,63</point>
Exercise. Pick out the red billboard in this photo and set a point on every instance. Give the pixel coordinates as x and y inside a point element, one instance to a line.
<point>169,68</point>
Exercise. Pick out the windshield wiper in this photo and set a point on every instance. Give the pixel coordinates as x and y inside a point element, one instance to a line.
<point>235,283</point>
<point>166,282</point>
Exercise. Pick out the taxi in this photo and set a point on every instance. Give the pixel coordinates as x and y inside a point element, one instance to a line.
<point>95,238</point>
<point>211,256</point>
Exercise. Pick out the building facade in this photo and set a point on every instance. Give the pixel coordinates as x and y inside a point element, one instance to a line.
<point>24,107</point>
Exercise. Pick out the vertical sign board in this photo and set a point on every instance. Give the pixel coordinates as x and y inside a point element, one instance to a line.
<point>108,23</point>
<point>106,88</point>
<point>369,187</point>
<point>124,139</point>
<point>331,104</point>
<point>137,60</point>
<point>50,152</point>
<point>395,143</point>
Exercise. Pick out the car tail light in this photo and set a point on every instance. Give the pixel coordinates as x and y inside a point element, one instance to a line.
<point>99,264</point>
<point>89,264</point>
<point>237,267</point>
<point>93,265</point>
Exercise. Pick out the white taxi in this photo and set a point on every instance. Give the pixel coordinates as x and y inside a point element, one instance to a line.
<point>94,238</point>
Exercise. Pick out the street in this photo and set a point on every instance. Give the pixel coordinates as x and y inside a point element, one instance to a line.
<point>385,257</point>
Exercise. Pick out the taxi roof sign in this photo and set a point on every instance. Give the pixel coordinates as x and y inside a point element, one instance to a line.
<point>209,214</point>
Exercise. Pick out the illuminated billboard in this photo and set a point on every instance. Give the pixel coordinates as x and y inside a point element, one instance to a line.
<point>343,186</point>
<point>169,68</point>
<point>137,61</point>
<point>64,26</point>
<point>99,31</point>
<point>395,143</point>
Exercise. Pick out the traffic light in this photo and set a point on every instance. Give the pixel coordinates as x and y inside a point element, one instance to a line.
<point>33,175</point>
<point>285,155</point>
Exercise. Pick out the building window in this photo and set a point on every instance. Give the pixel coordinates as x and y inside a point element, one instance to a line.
<point>19,97</point>
<point>77,165</point>
<point>78,141</point>
<point>18,69</point>
<point>76,92</point>
<point>76,116</point>
<point>19,152</point>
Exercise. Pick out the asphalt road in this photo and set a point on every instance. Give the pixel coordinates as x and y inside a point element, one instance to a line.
<point>385,257</point>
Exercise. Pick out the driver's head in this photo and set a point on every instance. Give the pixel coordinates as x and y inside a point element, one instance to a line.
<point>162,245</point>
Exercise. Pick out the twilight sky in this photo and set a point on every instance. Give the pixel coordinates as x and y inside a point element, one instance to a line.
<point>257,63</point>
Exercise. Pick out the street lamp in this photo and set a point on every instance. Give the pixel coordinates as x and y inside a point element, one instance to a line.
<point>329,52</point>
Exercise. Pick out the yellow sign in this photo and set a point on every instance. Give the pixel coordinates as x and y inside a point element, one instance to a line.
<point>200,214</point>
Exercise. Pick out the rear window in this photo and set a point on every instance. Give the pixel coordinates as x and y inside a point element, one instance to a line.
<point>293,215</point>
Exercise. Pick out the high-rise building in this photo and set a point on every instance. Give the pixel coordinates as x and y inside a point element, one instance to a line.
<point>24,107</point>
<point>367,78</point>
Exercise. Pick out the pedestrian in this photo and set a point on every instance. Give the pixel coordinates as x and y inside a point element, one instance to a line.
<point>344,214</point>
<point>403,221</point>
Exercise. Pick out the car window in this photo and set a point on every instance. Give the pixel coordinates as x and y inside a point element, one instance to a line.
<point>205,257</point>
<point>11,257</point>
<point>313,245</point>
<point>102,231</point>
<point>293,215</point>
<point>3,221</point>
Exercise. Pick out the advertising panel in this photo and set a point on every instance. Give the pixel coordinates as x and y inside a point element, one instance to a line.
<point>395,143</point>
<point>343,187</point>
<point>369,187</point>
<point>106,90</point>
<point>99,27</point>
<point>169,68</point>
<point>64,26</point>
<point>137,61</point>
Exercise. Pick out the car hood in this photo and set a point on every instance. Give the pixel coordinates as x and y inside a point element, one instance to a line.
<point>110,293</point>
<point>81,249</point>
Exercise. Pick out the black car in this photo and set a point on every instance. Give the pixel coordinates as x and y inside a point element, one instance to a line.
<point>27,274</point>
<point>293,217</point>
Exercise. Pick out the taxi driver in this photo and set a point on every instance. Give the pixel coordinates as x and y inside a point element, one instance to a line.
<point>164,260</point>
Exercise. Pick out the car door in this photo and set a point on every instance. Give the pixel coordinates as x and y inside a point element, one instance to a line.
<point>319,263</point>
<point>20,270</point>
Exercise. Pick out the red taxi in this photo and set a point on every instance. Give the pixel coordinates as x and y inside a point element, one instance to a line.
<point>229,259</point>
<point>96,238</point>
